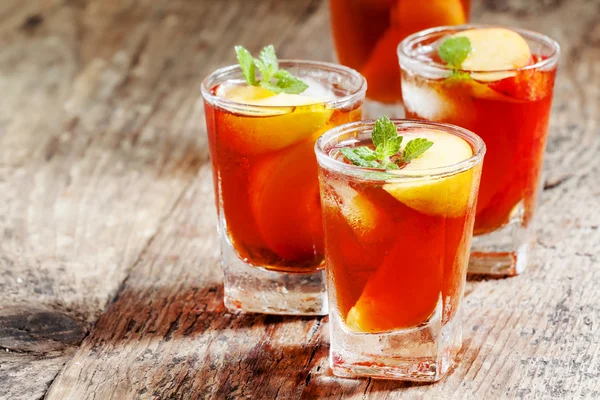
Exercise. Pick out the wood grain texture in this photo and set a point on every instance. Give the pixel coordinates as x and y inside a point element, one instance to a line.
<point>95,150</point>
<point>109,256</point>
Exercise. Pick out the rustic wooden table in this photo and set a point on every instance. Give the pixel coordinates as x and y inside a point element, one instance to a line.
<point>109,274</point>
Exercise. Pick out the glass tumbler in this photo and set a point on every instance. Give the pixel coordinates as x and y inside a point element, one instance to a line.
<point>397,248</point>
<point>266,187</point>
<point>510,110</point>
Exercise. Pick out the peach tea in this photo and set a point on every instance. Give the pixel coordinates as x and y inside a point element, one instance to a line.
<point>498,83</point>
<point>261,135</point>
<point>398,219</point>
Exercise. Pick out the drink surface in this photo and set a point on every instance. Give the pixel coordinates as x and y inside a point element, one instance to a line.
<point>398,248</point>
<point>510,110</point>
<point>265,172</point>
<point>367,32</point>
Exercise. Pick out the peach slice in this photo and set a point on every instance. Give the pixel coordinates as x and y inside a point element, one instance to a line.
<point>243,93</point>
<point>364,217</point>
<point>405,289</point>
<point>349,262</point>
<point>495,49</point>
<point>286,119</point>
<point>284,197</point>
<point>446,196</point>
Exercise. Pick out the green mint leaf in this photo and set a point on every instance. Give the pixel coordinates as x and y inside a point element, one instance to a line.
<point>389,165</point>
<point>289,83</point>
<point>455,50</point>
<point>286,83</point>
<point>269,69</point>
<point>387,145</point>
<point>391,147</point>
<point>385,138</point>
<point>355,156</point>
<point>365,153</point>
<point>459,76</point>
<point>267,62</point>
<point>415,148</point>
<point>247,64</point>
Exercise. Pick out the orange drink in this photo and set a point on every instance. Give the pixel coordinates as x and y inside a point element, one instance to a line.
<point>503,92</point>
<point>397,246</point>
<point>265,175</point>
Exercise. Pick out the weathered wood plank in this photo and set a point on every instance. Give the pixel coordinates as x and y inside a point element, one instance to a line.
<point>169,336</point>
<point>26,376</point>
<point>96,148</point>
<point>65,387</point>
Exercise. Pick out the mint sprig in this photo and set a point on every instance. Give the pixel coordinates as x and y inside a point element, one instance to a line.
<point>361,156</point>
<point>267,65</point>
<point>247,64</point>
<point>267,62</point>
<point>455,50</point>
<point>387,148</point>
<point>415,148</point>
<point>386,140</point>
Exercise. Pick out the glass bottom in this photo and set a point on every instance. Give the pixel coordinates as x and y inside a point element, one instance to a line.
<point>503,252</point>
<point>253,289</point>
<point>422,354</point>
<point>374,109</point>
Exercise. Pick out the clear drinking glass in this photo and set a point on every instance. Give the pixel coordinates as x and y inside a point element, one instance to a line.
<point>266,187</point>
<point>397,248</point>
<point>510,110</point>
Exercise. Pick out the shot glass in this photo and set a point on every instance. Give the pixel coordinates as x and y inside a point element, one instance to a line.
<point>397,248</point>
<point>510,110</point>
<point>266,186</point>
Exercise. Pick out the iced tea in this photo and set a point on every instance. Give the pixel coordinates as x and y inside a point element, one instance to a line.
<point>397,247</point>
<point>265,176</point>
<point>510,110</point>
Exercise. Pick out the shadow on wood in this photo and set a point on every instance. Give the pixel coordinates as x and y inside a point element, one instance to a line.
<point>211,352</point>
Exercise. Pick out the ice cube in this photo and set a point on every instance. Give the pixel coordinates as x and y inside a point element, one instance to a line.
<point>317,90</point>
<point>271,104</point>
<point>358,211</point>
<point>448,196</point>
<point>426,102</point>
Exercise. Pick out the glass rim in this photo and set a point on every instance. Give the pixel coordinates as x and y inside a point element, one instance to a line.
<point>339,102</point>
<point>324,159</point>
<point>404,47</point>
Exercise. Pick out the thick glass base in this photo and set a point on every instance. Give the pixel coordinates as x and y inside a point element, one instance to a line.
<point>422,354</point>
<point>503,252</point>
<point>254,289</point>
<point>499,264</point>
<point>374,109</point>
